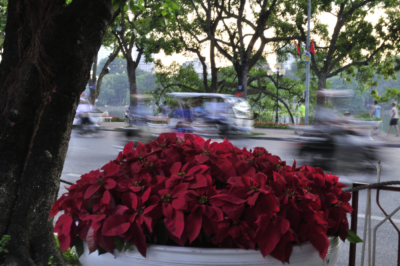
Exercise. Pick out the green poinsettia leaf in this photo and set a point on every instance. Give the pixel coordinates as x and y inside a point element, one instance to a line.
<point>128,245</point>
<point>353,238</point>
<point>119,243</point>
<point>78,246</point>
<point>101,250</point>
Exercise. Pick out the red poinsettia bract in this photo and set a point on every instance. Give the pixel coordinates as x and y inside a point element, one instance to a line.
<point>180,189</point>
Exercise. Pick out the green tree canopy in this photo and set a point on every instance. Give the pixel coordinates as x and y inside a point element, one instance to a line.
<point>355,42</point>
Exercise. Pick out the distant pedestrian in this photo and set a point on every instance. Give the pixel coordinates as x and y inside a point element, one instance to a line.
<point>394,118</point>
<point>302,113</point>
<point>376,112</point>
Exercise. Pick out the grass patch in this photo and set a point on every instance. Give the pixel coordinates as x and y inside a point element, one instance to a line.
<point>257,133</point>
<point>117,119</point>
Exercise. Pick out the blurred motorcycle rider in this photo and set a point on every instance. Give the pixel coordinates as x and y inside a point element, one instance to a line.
<point>199,110</point>
<point>82,112</point>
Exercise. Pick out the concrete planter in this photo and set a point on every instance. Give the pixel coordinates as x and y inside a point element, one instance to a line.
<point>306,255</point>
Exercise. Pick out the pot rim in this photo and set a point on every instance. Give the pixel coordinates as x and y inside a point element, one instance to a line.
<point>334,240</point>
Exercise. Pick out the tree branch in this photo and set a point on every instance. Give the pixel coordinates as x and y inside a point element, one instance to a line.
<point>365,62</point>
<point>256,90</point>
<point>111,58</point>
<point>121,43</point>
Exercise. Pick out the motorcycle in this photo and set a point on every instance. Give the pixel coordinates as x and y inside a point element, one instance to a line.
<point>138,118</point>
<point>326,146</point>
<point>90,128</point>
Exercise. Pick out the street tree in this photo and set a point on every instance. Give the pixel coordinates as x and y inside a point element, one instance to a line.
<point>98,72</point>
<point>195,40</point>
<point>134,31</point>
<point>238,30</point>
<point>355,41</point>
<point>48,51</point>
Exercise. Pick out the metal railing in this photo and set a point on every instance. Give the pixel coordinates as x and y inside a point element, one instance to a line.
<point>371,238</point>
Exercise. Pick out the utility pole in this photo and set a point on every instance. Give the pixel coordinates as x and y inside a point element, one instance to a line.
<point>308,66</point>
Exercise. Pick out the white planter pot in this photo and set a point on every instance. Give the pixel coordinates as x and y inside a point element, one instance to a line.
<point>306,255</point>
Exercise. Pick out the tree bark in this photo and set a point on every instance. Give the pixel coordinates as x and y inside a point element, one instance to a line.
<point>214,70</point>
<point>93,81</point>
<point>242,72</point>
<point>131,69</point>
<point>321,86</point>
<point>42,75</point>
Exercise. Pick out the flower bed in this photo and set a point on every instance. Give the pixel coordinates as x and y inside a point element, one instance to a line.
<point>368,116</point>
<point>158,122</point>
<point>182,190</point>
<point>272,125</point>
<point>115,118</point>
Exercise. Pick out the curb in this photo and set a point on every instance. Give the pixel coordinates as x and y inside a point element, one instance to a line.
<point>107,129</point>
<point>271,138</point>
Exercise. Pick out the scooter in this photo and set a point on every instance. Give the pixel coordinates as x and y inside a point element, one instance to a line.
<point>325,146</point>
<point>91,128</point>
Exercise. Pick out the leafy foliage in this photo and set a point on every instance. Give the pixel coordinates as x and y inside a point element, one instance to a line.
<point>357,47</point>
<point>69,255</point>
<point>3,244</point>
<point>390,94</point>
<point>114,89</point>
<point>368,116</point>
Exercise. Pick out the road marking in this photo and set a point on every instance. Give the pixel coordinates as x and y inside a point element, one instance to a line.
<point>74,175</point>
<point>378,218</point>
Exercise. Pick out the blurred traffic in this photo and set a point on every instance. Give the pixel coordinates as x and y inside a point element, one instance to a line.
<point>205,114</point>
<point>335,140</point>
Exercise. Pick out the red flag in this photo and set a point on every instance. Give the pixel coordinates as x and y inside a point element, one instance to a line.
<point>312,48</point>
<point>297,47</point>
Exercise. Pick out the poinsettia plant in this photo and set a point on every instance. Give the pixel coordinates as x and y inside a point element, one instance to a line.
<point>182,190</point>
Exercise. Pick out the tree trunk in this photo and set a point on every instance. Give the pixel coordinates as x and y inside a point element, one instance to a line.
<point>214,70</point>
<point>321,86</point>
<point>242,72</point>
<point>131,69</point>
<point>42,76</point>
<point>93,81</point>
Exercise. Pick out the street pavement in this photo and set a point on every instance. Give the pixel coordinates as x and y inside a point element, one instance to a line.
<point>278,134</point>
<point>88,153</point>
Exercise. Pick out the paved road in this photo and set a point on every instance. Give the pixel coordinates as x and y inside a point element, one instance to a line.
<point>85,154</point>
